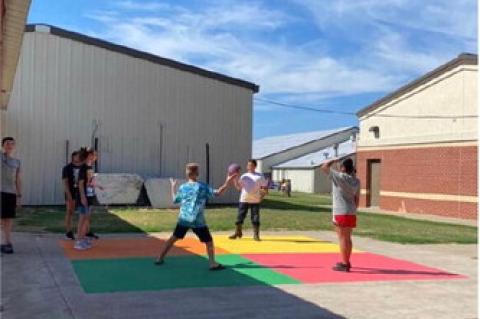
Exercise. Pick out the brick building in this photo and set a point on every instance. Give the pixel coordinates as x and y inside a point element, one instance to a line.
<point>417,147</point>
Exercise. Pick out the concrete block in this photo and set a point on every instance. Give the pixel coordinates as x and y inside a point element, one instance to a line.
<point>158,190</point>
<point>118,188</point>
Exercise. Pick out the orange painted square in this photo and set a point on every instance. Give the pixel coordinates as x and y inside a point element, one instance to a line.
<point>136,247</point>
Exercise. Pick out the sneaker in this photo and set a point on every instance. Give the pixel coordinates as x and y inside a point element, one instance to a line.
<point>217,267</point>
<point>7,249</point>
<point>341,267</point>
<point>79,245</point>
<point>159,262</point>
<point>69,235</point>
<point>90,234</point>
<point>339,264</point>
<point>88,243</point>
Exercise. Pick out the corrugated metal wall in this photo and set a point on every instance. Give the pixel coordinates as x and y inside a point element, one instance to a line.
<point>151,119</point>
<point>302,180</point>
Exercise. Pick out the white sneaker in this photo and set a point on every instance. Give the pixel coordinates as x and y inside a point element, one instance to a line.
<point>79,245</point>
<point>87,243</point>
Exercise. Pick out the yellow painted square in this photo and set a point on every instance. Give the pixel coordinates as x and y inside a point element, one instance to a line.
<point>275,244</point>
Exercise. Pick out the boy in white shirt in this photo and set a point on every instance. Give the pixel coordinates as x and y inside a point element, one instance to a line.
<point>253,187</point>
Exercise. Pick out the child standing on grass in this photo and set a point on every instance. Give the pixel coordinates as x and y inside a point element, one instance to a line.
<point>192,197</point>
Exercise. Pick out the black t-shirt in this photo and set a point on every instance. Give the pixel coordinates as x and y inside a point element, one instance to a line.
<point>72,173</point>
<point>83,176</point>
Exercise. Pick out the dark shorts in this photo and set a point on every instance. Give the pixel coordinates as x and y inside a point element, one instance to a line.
<point>203,233</point>
<point>74,193</point>
<point>92,201</point>
<point>9,206</point>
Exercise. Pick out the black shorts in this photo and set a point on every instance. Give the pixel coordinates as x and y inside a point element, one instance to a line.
<point>92,201</point>
<point>74,193</point>
<point>203,233</point>
<point>9,205</point>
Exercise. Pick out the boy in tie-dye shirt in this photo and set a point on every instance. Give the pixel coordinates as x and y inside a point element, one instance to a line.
<point>192,197</point>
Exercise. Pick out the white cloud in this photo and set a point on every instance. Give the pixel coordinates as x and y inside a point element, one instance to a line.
<point>244,40</point>
<point>142,5</point>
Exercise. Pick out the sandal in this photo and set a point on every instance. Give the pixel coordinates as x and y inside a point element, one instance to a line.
<point>217,267</point>
<point>159,262</point>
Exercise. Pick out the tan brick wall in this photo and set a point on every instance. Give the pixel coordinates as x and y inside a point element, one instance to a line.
<point>430,170</point>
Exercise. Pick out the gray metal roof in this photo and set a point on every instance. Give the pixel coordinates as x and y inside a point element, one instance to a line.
<point>272,145</point>
<point>139,54</point>
<point>317,158</point>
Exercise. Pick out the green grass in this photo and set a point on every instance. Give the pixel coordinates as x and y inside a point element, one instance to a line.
<point>299,212</point>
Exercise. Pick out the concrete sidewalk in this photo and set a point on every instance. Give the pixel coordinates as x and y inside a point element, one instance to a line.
<point>39,282</point>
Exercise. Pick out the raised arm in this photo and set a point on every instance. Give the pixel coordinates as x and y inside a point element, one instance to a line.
<point>231,178</point>
<point>236,182</point>
<point>326,166</point>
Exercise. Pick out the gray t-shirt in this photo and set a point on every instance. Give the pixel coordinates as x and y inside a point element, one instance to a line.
<point>344,190</point>
<point>10,167</point>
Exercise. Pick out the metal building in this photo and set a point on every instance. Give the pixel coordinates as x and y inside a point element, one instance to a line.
<point>304,172</point>
<point>272,151</point>
<point>149,115</point>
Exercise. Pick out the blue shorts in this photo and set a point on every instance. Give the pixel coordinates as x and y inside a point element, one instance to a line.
<point>82,210</point>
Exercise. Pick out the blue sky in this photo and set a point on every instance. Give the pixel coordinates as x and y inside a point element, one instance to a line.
<point>332,54</point>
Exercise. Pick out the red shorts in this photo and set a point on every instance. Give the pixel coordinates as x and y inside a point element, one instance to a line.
<point>345,220</point>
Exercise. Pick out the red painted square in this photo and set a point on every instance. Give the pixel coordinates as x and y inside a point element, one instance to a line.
<point>317,268</point>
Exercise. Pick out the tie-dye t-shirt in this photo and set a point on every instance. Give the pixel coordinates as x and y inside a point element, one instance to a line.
<point>192,197</point>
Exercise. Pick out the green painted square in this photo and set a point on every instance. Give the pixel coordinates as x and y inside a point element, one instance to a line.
<point>140,274</point>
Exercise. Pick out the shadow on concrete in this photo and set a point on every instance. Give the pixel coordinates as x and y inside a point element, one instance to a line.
<point>143,290</point>
<point>181,288</point>
<point>298,241</point>
<point>380,271</point>
<point>281,205</point>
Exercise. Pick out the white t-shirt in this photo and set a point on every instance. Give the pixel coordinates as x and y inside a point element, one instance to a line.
<point>251,184</point>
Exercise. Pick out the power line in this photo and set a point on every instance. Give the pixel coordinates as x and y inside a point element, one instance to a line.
<point>315,109</point>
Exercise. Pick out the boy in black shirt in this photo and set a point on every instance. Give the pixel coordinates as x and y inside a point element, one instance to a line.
<point>70,174</point>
